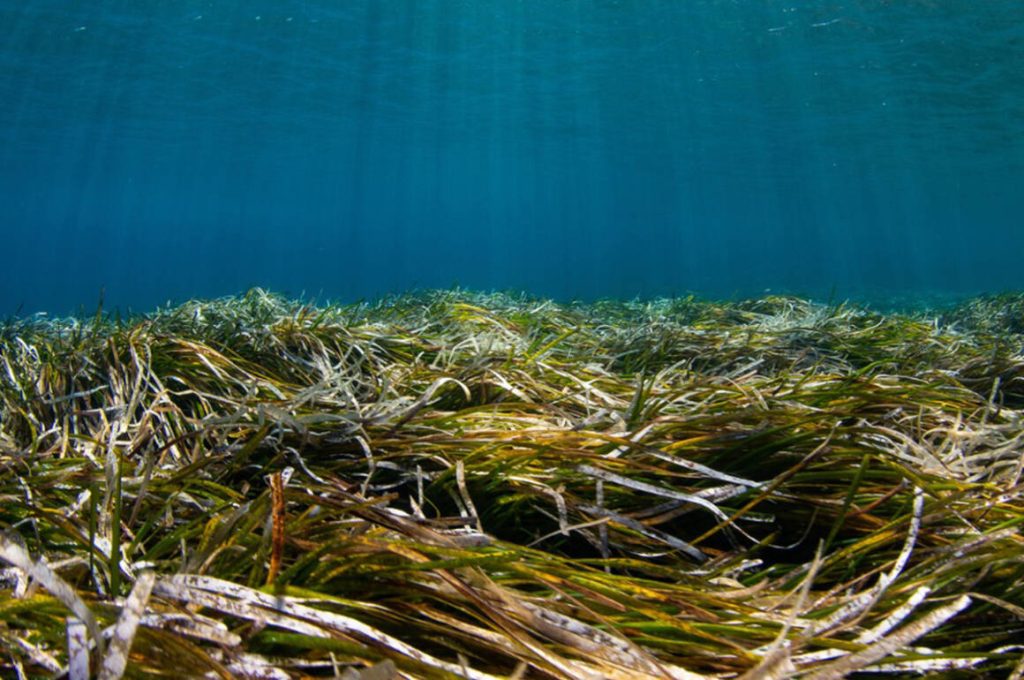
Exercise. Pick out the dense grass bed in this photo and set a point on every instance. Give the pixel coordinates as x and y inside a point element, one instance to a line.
<point>459,485</point>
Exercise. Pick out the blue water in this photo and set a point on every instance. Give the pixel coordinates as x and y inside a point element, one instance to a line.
<point>159,151</point>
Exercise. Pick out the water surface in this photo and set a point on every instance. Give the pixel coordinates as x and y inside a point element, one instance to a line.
<point>570,148</point>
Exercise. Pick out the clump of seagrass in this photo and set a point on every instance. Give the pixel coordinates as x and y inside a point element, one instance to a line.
<point>462,485</point>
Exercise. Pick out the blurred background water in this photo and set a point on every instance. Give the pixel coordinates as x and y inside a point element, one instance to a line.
<point>345,149</point>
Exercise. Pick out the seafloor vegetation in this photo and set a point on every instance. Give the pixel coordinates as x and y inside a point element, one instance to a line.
<point>459,485</point>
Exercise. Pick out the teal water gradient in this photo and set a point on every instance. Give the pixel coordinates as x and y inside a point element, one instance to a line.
<point>166,150</point>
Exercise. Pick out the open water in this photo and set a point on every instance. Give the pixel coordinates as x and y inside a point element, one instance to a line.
<point>161,150</point>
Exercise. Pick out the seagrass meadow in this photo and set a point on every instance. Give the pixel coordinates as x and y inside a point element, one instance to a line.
<point>463,485</point>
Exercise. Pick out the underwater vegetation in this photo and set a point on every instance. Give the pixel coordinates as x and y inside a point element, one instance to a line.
<point>453,485</point>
